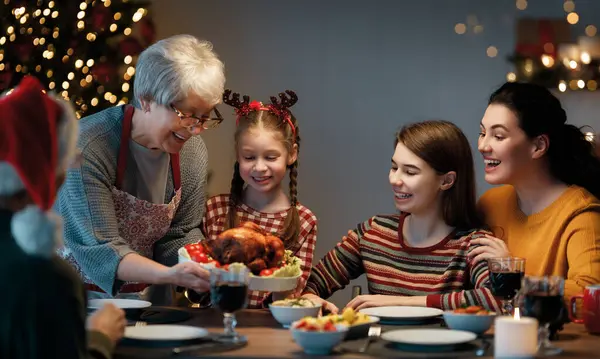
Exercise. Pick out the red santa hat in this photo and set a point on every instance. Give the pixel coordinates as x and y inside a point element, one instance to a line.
<point>28,141</point>
<point>37,139</point>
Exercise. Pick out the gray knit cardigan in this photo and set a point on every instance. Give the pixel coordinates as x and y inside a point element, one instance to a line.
<point>85,201</point>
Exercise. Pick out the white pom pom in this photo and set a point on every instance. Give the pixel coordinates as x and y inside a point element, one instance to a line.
<point>38,233</point>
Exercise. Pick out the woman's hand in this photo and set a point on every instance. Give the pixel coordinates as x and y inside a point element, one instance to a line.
<point>379,300</point>
<point>108,320</point>
<point>488,247</point>
<point>189,275</point>
<point>325,305</point>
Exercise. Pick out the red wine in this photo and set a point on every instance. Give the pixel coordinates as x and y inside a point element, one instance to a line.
<point>544,307</point>
<point>506,284</point>
<point>229,297</point>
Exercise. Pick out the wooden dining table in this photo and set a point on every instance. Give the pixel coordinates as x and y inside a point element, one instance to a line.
<point>268,339</point>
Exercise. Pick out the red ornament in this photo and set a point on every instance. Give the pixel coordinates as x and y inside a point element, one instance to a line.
<point>100,18</point>
<point>5,79</point>
<point>536,37</point>
<point>24,50</point>
<point>147,30</point>
<point>130,46</point>
<point>103,72</point>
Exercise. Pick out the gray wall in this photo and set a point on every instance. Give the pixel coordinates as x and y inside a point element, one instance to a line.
<point>361,70</point>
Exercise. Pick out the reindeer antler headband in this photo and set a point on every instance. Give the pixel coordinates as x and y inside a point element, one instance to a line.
<point>277,107</point>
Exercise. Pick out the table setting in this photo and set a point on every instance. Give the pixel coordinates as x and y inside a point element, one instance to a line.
<point>534,311</point>
<point>268,338</point>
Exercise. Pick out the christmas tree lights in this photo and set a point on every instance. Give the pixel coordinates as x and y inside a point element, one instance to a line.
<point>83,50</point>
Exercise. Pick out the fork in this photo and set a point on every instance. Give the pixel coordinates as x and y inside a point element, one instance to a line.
<point>140,324</point>
<point>374,332</point>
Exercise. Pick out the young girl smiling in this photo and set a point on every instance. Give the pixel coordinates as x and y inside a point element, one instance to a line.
<point>267,144</point>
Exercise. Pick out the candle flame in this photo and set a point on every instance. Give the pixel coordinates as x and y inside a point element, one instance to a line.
<point>517,315</point>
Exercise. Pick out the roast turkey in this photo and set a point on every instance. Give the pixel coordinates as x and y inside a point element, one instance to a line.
<point>248,244</point>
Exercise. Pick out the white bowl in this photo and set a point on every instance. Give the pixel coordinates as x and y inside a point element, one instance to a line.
<point>319,343</point>
<point>288,315</point>
<point>270,284</point>
<point>274,284</point>
<point>473,323</point>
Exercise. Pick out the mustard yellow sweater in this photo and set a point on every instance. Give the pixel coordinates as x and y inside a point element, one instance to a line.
<point>563,239</point>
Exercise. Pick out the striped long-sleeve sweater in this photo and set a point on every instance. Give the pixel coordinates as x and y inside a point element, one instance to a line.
<point>377,248</point>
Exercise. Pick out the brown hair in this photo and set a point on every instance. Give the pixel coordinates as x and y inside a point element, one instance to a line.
<point>571,157</point>
<point>263,119</point>
<point>445,148</point>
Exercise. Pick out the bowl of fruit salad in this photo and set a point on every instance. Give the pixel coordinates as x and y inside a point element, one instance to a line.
<point>474,319</point>
<point>273,268</point>
<point>358,323</point>
<point>317,336</point>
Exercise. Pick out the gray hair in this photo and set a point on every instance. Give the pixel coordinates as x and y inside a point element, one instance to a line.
<point>172,68</point>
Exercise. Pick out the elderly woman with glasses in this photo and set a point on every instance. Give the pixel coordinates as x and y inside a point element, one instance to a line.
<point>139,193</point>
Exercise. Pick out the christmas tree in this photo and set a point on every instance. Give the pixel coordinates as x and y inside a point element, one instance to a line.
<point>83,50</point>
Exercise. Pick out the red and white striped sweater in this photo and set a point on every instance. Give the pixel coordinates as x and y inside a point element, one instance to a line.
<point>377,248</point>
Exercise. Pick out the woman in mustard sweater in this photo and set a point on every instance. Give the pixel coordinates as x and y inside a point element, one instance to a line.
<point>548,212</point>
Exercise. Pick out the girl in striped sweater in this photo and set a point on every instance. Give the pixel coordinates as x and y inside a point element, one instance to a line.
<point>417,257</point>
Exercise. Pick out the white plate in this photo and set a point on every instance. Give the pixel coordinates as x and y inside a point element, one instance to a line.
<point>402,313</point>
<point>119,303</point>
<point>165,332</point>
<point>428,336</point>
<point>275,284</point>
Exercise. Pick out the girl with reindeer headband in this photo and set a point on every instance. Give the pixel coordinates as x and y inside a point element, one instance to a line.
<point>267,144</point>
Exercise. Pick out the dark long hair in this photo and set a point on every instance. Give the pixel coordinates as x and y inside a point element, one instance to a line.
<point>269,121</point>
<point>445,148</point>
<point>570,155</point>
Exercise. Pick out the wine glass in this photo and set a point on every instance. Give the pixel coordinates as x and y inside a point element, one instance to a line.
<point>543,300</point>
<point>229,293</point>
<point>506,274</point>
<point>197,300</point>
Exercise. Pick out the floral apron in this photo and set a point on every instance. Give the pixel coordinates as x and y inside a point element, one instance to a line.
<point>141,223</point>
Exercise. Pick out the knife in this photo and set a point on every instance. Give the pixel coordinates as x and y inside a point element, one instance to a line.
<point>189,348</point>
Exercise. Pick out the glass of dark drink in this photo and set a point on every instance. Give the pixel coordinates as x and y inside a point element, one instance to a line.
<point>229,293</point>
<point>543,300</point>
<point>506,275</point>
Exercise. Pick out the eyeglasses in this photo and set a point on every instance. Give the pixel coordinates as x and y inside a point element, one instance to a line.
<point>206,122</point>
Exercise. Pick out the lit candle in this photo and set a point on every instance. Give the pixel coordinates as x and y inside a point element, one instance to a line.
<point>515,337</point>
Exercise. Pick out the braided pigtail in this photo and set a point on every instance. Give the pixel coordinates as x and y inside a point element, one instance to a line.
<point>235,197</point>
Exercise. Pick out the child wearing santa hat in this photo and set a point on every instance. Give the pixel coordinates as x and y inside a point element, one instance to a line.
<point>42,300</point>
